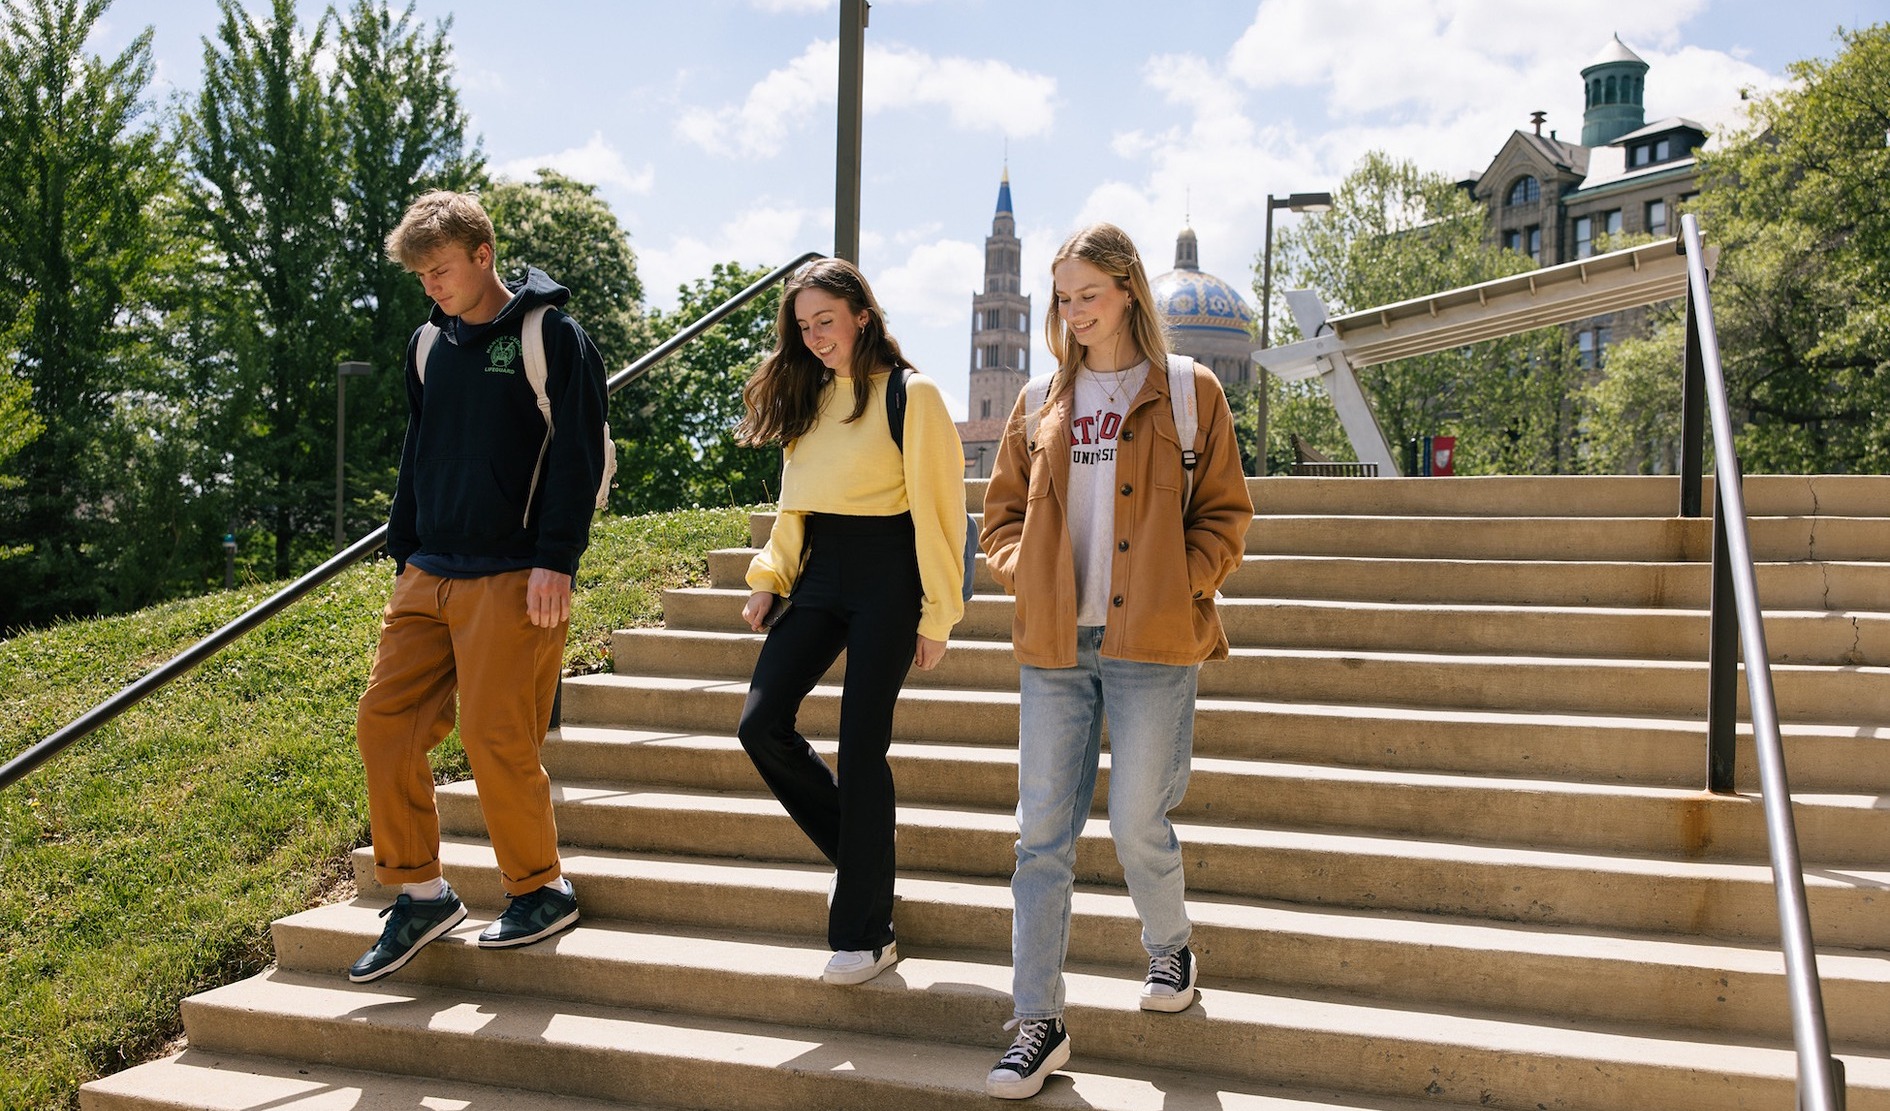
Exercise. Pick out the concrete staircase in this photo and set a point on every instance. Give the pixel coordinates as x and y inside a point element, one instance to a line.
<point>1445,839</point>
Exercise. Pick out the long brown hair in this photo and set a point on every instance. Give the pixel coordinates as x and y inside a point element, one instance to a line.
<point>782,397</point>
<point>1108,248</point>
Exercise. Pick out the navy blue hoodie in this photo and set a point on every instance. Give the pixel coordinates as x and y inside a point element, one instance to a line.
<point>474,434</point>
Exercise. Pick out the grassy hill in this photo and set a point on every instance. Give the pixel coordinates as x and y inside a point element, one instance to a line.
<point>146,862</point>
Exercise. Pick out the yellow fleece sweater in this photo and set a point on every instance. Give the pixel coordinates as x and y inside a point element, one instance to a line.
<point>857,469</point>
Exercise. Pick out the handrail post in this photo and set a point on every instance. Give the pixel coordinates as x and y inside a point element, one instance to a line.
<point>1722,664</point>
<point>1692,411</point>
<point>1819,1075</point>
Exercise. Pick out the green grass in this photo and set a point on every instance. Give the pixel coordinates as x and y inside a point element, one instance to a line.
<point>146,862</point>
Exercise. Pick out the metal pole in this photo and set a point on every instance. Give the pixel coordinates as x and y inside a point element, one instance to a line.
<point>1692,415</point>
<point>1722,668</point>
<point>1818,1072</point>
<point>846,202</point>
<point>1266,321</point>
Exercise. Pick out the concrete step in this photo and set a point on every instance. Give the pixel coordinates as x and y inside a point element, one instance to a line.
<point>1564,538</point>
<point>202,1081</point>
<point>602,1052</point>
<point>1569,495</point>
<point>1246,1045</point>
<point>1540,537</point>
<point>1463,967</point>
<point>1805,693</point>
<point>1821,637</point>
<point>1315,867</point>
<point>1597,748</point>
<point>1829,584</point>
<point>1611,818</point>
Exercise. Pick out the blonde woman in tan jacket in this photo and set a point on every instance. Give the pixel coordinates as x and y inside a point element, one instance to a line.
<point>1114,550</point>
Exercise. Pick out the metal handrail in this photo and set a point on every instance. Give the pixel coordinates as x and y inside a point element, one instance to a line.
<point>1820,1076</point>
<point>151,681</point>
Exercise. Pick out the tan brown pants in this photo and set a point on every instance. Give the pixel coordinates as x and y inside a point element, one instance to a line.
<point>470,638</point>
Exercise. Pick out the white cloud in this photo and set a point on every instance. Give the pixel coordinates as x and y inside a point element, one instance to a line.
<point>1435,56</point>
<point>976,95</point>
<point>596,162</point>
<point>933,286</point>
<point>766,235</point>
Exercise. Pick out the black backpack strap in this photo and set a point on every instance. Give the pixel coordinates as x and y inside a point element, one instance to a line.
<point>896,406</point>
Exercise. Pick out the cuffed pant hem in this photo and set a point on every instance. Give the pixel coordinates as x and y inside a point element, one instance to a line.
<point>394,877</point>
<point>516,887</point>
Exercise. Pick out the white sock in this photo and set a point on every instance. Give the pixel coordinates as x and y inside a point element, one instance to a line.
<point>432,889</point>
<point>560,885</point>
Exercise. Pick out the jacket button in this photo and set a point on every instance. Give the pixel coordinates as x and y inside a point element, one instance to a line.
<point>1116,601</point>
<point>1129,435</point>
<point>1127,489</point>
<point>1197,595</point>
<point>1122,545</point>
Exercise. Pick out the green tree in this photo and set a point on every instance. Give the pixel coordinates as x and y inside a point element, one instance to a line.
<point>402,132</point>
<point>1394,233</point>
<point>80,168</point>
<point>18,425</point>
<point>1802,296</point>
<point>675,425</point>
<point>1634,406</point>
<point>263,148</point>
<point>561,226</point>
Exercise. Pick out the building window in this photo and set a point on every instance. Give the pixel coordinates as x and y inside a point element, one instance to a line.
<point>1657,217</point>
<point>1525,190</point>
<point>1584,236</point>
<point>1608,97</point>
<point>1663,149</point>
<point>994,318</point>
<point>1512,240</point>
<point>992,357</point>
<point>1533,235</point>
<point>1591,346</point>
<point>1611,221</point>
<point>984,409</point>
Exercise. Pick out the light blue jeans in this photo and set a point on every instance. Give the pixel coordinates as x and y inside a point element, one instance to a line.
<point>1151,741</point>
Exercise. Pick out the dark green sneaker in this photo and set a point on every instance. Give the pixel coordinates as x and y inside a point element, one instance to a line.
<point>411,923</point>
<point>530,917</point>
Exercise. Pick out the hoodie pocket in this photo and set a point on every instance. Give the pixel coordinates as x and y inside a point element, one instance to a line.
<point>464,498</point>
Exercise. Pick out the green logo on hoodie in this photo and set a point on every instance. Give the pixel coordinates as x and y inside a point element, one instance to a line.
<point>501,354</point>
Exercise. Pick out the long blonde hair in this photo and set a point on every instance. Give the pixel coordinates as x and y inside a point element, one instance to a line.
<point>782,397</point>
<point>1108,248</point>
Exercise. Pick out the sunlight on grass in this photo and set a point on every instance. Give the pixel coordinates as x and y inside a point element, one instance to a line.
<point>146,862</point>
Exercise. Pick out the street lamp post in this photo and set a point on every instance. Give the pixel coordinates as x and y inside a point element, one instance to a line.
<point>343,372</point>
<point>1298,202</point>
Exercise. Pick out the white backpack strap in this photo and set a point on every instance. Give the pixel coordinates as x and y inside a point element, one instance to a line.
<point>1036,392</point>
<point>429,332</point>
<point>532,334</point>
<point>1183,403</point>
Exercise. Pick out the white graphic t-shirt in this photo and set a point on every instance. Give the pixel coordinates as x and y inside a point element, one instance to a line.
<point>1096,412</point>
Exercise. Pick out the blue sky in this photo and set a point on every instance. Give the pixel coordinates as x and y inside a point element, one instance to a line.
<point>709,124</point>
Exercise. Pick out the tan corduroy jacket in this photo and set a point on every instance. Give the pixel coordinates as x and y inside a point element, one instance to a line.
<point>1168,561</point>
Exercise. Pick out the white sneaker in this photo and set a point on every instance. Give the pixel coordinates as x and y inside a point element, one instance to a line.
<point>1042,1047</point>
<point>856,966</point>
<point>1170,983</point>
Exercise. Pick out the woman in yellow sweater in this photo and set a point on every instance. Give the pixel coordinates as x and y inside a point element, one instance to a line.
<point>868,549</point>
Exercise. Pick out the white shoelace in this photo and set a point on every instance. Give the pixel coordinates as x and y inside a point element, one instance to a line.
<point>1030,1039</point>
<point>1166,970</point>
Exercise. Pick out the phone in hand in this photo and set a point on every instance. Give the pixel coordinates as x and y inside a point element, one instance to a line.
<point>776,610</point>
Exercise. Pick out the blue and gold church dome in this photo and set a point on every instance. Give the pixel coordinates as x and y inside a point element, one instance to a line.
<point>1195,301</point>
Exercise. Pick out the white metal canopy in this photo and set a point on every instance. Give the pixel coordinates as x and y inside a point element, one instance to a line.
<point>1642,275</point>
